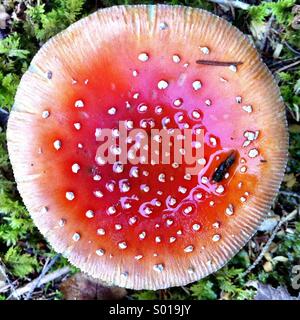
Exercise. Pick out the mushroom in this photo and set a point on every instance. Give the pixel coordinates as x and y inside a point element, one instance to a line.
<point>148,225</point>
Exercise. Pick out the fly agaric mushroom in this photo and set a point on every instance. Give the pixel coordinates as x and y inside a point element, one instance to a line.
<point>149,225</point>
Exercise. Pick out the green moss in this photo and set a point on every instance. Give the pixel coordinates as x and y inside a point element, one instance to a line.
<point>43,22</point>
<point>203,290</point>
<point>145,295</point>
<point>21,264</point>
<point>280,9</point>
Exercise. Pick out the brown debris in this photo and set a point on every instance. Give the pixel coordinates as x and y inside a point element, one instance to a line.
<point>296,20</point>
<point>4,18</point>
<point>83,287</point>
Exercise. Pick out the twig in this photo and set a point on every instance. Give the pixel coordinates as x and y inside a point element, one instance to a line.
<point>267,33</point>
<point>283,62</point>
<point>288,66</point>
<point>10,284</point>
<point>268,243</point>
<point>294,112</point>
<point>47,267</point>
<point>185,290</point>
<point>233,3</point>
<point>219,63</point>
<point>291,48</point>
<point>47,278</point>
<point>290,194</point>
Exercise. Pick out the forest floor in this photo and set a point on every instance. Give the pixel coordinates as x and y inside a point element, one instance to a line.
<point>265,268</point>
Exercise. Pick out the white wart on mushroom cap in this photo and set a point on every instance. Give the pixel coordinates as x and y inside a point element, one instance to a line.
<point>147,226</point>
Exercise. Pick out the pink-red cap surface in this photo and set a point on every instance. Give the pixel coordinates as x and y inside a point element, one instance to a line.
<point>148,226</point>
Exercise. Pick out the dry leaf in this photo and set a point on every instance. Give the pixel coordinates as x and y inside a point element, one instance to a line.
<point>4,17</point>
<point>290,180</point>
<point>280,259</point>
<point>294,128</point>
<point>2,277</point>
<point>268,266</point>
<point>258,30</point>
<point>269,224</point>
<point>267,292</point>
<point>296,9</point>
<point>83,287</point>
<point>296,20</point>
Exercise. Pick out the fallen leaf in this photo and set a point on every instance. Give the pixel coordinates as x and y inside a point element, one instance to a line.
<point>278,50</point>
<point>269,224</point>
<point>4,17</point>
<point>296,9</point>
<point>296,23</point>
<point>280,259</point>
<point>268,256</point>
<point>83,287</point>
<point>290,180</point>
<point>297,92</point>
<point>267,292</point>
<point>273,247</point>
<point>268,266</point>
<point>295,128</point>
<point>258,31</point>
<point>2,277</point>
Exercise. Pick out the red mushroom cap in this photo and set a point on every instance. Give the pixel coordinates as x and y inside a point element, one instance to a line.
<point>148,225</point>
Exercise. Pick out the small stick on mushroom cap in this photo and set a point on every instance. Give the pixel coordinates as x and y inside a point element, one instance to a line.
<point>148,225</point>
<point>219,63</point>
